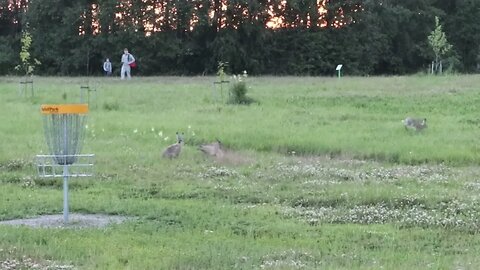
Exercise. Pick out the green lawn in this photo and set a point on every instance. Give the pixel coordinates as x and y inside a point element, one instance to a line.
<point>323,175</point>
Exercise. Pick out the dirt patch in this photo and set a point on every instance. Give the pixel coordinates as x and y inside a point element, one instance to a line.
<point>232,158</point>
<point>76,221</point>
<point>220,154</point>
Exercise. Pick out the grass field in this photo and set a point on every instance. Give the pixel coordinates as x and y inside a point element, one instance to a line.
<point>323,176</point>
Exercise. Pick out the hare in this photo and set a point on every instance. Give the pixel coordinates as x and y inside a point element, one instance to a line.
<point>174,150</point>
<point>214,149</point>
<point>417,124</point>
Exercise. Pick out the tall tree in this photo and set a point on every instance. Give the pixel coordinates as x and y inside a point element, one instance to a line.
<point>261,36</point>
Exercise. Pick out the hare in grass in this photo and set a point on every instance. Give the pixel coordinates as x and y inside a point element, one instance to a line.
<point>174,150</point>
<point>214,149</point>
<point>415,123</point>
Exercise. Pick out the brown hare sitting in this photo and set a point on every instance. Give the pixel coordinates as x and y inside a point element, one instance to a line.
<point>214,149</point>
<point>416,124</point>
<point>174,150</point>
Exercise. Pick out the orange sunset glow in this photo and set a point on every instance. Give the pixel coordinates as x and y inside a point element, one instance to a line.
<point>163,15</point>
<point>156,16</point>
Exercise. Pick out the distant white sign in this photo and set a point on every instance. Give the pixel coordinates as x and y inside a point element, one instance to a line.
<point>339,67</point>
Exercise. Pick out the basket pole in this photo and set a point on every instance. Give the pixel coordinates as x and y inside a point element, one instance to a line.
<point>65,194</point>
<point>65,172</point>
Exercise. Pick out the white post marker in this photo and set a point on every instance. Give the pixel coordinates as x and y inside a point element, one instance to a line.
<point>339,70</point>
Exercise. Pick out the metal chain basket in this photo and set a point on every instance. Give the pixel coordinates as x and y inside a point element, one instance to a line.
<point>64,134</point>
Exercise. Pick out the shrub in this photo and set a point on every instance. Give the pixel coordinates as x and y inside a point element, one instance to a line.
<point>238,90</point>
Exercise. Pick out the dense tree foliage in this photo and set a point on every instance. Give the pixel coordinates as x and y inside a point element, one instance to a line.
<point>260,36</point>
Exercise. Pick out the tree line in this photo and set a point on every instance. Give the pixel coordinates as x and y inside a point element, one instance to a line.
<point>190,37</point>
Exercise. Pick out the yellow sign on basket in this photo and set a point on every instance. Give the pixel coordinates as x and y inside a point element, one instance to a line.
<point>64,108</point>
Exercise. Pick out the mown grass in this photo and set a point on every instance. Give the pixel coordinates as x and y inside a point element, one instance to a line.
<point>325,176</point>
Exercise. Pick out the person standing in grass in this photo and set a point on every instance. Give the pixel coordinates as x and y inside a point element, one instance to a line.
<point>127,59</point>
<point>107,67</point>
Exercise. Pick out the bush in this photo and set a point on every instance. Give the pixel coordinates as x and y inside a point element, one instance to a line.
<point>238,91</point>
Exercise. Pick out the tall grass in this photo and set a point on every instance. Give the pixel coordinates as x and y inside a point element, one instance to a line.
<point>353,116</point>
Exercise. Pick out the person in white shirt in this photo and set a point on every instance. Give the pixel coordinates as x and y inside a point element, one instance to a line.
<point>127,59</point>
<point>107,67</point>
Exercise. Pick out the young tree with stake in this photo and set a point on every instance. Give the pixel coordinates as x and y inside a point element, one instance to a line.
<point>440,46</point>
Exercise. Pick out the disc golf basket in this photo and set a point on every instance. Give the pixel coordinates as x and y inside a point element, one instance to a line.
<point>217,91</point>
<point>64,127</point>
<point>85,90</point>
<point>23,87</point>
